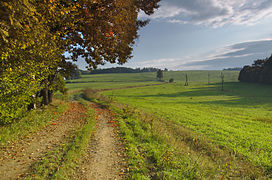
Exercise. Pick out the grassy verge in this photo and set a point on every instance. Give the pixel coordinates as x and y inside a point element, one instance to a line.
<point>149,156</point>
<point>32,122</point>
<point>61,162</point>
<point>94,96</point>
<point>160,148</point>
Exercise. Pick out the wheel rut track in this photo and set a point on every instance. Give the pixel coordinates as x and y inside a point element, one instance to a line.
<point>105,158</point>
<point>17,159</point>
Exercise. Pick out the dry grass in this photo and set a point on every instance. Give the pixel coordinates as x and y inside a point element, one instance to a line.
<point>264,119</point>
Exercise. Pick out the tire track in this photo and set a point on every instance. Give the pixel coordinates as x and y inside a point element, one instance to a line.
<point>104,159</point>
<point>18,158</point>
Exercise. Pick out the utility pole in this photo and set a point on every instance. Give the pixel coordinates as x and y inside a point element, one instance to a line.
<point>208,78</point>
<point>222,78</point>
<point>186,82</point>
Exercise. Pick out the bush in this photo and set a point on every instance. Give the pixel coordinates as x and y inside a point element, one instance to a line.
<point>171,80</point>
<point>15,95</point>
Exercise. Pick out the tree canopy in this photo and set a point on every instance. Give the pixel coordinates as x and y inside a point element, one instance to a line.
<point>35,34</point>
<point>160,74</point>
<point>259,72</point>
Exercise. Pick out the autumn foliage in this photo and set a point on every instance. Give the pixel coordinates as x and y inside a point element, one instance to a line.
<point>35,34</point>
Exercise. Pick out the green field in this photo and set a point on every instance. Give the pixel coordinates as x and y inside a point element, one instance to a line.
<point>236,121</point>
<point>108,81</point>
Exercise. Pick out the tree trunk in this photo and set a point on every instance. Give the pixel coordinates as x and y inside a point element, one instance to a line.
<point>50,96</point>
<point>33,104</point>
<point>30,106</point>
<point>44,93</point>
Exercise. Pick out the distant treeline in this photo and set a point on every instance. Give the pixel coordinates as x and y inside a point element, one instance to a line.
<point>120,70</point>
<point>259,72</point>
<point>233,69</point>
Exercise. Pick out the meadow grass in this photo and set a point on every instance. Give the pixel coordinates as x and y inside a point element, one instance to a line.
<point>108,81</point>
<point>149,156</point>
<point>236,119</point>
<point>160,148</point>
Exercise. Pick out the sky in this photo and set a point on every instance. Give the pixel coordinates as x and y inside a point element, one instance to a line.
<point>204,35</point>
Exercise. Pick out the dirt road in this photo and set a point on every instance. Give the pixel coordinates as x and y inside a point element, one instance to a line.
<point>104,159</point>
<point>17,159</point>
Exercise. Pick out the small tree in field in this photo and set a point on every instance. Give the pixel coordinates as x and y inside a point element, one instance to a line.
<point>160,74</point>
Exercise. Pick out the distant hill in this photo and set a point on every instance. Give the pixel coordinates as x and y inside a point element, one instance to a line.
<point>233,69</point>
<point>120,70</point>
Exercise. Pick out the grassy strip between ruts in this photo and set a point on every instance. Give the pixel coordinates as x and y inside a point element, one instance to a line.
<point>162,149</point>
<point>31,123</point>
<point>61,161</point>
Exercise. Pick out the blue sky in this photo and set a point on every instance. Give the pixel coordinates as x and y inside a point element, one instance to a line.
<point>204,34</point>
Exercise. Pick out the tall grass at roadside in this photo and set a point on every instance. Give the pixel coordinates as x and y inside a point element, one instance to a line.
<point>94,96</point>
<point>149,157</point>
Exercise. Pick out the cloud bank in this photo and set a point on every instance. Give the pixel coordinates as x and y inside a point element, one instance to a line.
<point>214,13</point>
<point>237,55</point>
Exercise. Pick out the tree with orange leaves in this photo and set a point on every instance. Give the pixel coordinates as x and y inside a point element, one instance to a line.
<point>34,35</point>
<point>106,30</point>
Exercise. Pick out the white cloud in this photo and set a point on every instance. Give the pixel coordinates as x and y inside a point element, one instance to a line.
<point>159,63</point>
<point>214,13</point>
<point>178,21</point>
<point>236,55</point>
<point>194,67</point>
<point>167,11</point>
